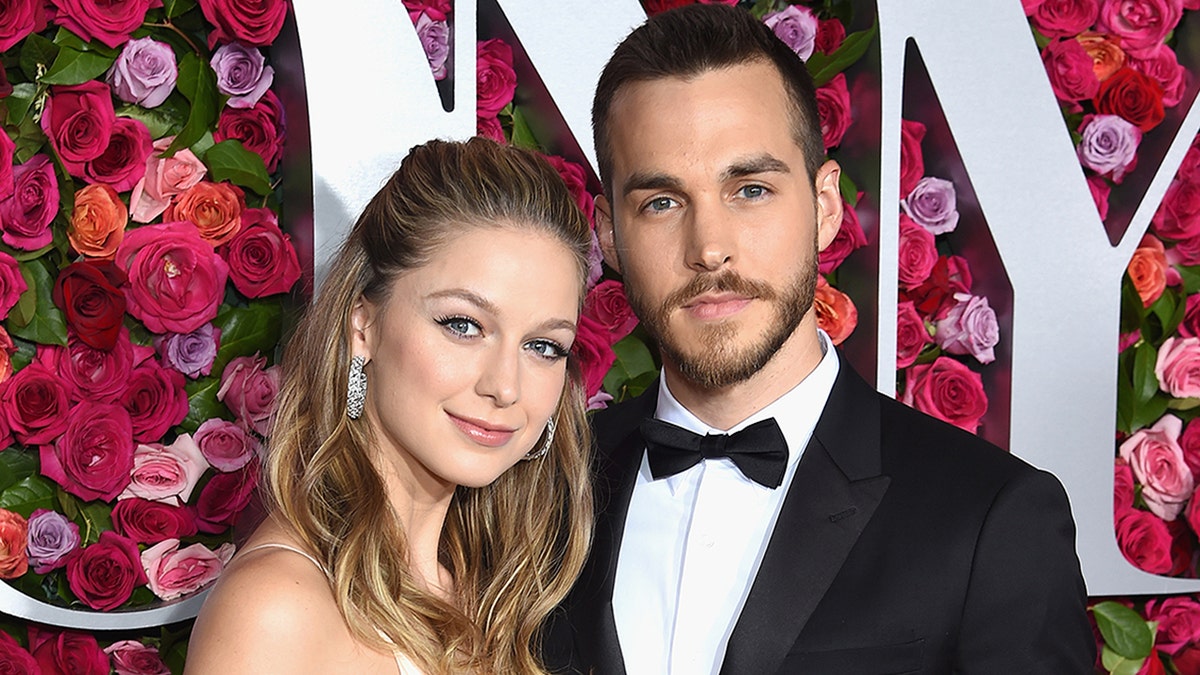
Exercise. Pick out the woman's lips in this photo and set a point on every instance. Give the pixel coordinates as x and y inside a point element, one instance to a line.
<point>481,432</point>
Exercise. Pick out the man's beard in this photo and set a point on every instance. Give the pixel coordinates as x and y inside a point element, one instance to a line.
<point>719,362</point>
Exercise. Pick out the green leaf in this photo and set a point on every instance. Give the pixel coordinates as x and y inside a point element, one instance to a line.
<point>1148,413</point>
<point>22,313</point>
<point>1145,382</point>
<point>522,134</point>
<point>848,189</point>
<point>1183,403</point>
<point>1125,632</point>
<point>65,38</point>
<point>37,53</point>
<point>824,68</point>
<point>175,8</point>
<point>198,84</point>
<point>1191,278</point>
<point>28,495</point>
<point>1125,397</point>
<point>94,517</point>
<point>19,101</point>
<point>164,120</point>
<point>47,326</point>
<point>29,141</point>
<point>202,403</point>
<point>16,466</point>
<point>230,160</point>
<point>76,67</point>
<point>633,370</point>
<point>1116,664</point>
<point>26,350</point>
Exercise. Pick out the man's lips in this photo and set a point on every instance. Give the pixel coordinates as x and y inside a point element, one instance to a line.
<point>711,306</point>
<point>481,431</point>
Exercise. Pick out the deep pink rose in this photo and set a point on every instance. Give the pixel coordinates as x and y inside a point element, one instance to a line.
<point>1178,367</point>
<point>1189,168</point>
<point>175,572</point>
<point>104,574</point>
<point>166,473</point>
<point>12,284</point>
<point>1123,489</point>
<point>935,297</point>
<point>1141,24</point>
<point>7,149</point>
<point>496,82</point>
<point>1070,70</point>
<point>833,108</point>
<point>912,158</point>
<point>1190,326</point>
<point>918,253</point>
<point>438,10</point>
<point>911,335</point>
<point>1157,462</point>
<point>34,404</point>
<point>830,33</point>
<point>594,352</point>
<point>66,652</point>
<point>576,179</point>
<point>225,445</point>
<point>607,305</point>
<point>155,399</point>
<point>1178,622</point>
<point>130,657</point>
<point>14,659</point>
<point>969,327</point>
<point>947,390</point>
<point>164,178</point>
<point>93,457</point>
<point>489,127</point>
<point>176,279</point>
<point>259,128</point>
<point>26,214</point>
<point>78,120</point>
<point>19,18</point>
<point>254,22</point>
<point>1100,190</point>
<point>93,374</point>
<point>1064,18</point>
<point>149,522</point>
<point>849,238</point>
<point>1145,541</point>
<point>1161,65</point>
<point>108,21</point>
<point>123,162</point>
<point>248,390</point>
<point>261,258</point>
<point>1189,441</point>
<point>224,497</point>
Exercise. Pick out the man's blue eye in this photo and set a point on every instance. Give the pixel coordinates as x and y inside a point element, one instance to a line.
<point>753,191</point>
<point>660,204</point>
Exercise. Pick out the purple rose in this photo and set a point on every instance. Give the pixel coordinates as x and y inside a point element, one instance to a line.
<point>225,445</point>
<point>435,39</point>
<point>933,205</point>
<point>242,74</point>
<point>144,73</point>
<point>797,27</point>
<point>51,538</point>
<point>1109,145</point>
<point>190,353</point>
<point>969,328</point>
<point>25,216</point>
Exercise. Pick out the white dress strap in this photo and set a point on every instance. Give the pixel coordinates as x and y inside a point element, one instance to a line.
<point>293,549</point>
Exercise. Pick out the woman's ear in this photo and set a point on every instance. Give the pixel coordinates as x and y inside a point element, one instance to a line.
<point>362,328</point>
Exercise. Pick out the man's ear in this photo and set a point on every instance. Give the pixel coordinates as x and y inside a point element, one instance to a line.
<point>827,187</point>
<point>605,234</point>
<point>362,328</point>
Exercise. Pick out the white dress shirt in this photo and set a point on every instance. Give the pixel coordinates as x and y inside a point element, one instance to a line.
<point>694,541</point>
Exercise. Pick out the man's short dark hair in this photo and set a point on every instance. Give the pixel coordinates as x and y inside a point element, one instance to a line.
<point>694,39</point>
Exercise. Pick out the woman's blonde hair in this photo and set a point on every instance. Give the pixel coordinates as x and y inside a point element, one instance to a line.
<point>513,547</point>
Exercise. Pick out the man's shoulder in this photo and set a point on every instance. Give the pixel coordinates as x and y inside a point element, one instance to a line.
<point>613,424</point>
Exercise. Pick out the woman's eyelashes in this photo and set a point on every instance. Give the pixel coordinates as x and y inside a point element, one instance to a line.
<point>465,328</point>
<point>547,349</point>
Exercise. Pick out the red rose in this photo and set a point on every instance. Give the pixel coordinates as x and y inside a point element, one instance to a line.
<point>496,82</point>
<point>93,374</point>
<point>176,280</point>
<point>108,21</point>
<point>912,159</point>
<point>947,390</point>
<point>1187,660</point>
<point>830,33</point>
<point>89,294</point>
<point>261,258</point>
<point>918,253</point>
<point>34,403</point>
<point>594,353</point>
<point>254,22</point>
<point>1070,70</point>
<point>911,335</point>
<point>25,216</point>
<point>94,456</point>
<point>12,284</point>
<point>833,108</point>
<point>935,297</point>
<point>1135,97</point>
<point>224,497</point>
<point>1123,489</point>
<point>66,653</point>
<point>149,522</point>
<point>1146,541</point>
<point>104,574</point>
<point>607,305</point>
<point>1178,622</point>
<point>123,162</point>
<point>259,128</point>
<point>849,238</point>
<point>13,657</point>
<point>14,532</point>
<point>1064,18</point>
<point>18,20</point>
<point>155,399</point>
<point>79,120</point>
<point>576,179</point>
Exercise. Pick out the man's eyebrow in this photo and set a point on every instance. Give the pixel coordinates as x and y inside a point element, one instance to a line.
<point>755,165</point>
<point>650,181</point>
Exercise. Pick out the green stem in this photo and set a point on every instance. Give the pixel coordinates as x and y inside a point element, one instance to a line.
<point>172,27</point>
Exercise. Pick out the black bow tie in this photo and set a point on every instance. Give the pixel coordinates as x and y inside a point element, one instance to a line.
<point>759,450</point>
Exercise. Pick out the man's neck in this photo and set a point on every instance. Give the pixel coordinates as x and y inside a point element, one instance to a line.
<point>724,407</point>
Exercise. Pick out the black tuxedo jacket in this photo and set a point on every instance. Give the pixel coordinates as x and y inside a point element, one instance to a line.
<point>904,545</point>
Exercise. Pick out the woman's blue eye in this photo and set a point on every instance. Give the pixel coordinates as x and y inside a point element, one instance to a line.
<point>547,349</point>
<point>460,325</point>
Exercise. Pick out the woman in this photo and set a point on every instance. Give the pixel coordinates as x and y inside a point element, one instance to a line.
<point>426,478</point>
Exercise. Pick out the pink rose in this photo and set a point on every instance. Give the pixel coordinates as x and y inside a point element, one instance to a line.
<point>224,444</point>
<point>1070,70</point>
<point>1064,18</point>
<point>225,497</point>
<point>912,159</point>
<point>66,652</point>
<point>175,572</point>
<point>78,120</point>
<point>833,108</point>
<point>176,280</point>
<point>969,328</point>
<point>918,252</point>
<point>34,404</point>
<point>1141,24</point>
<point>1178,622</point>
<point>1162,65</point>
<point>947,390</point>
<point>149,522</point>
<point>576,179</point>
<point>259,129</point>
<point>607,305</point>
<point>155,399</point>
<point>255,23</point>
<point>164,178</point>
<point>104,574</point>
<point>849,238</point>
<point>12,284</point>
<point>496,82</point>
<point>261,258</point>
<point>1145,541</point>
<point>1123,489</point>
<point>594,352</point>
<point>123,162</point>
<point>1178,367</point>
<point>18,20</point>
<point>108,21</point>
<point>26,214</point>
<point>1100,191</point>
<point>1157,462</point>
<point>130,657</point>
<point>93,457</point>
<point>911,335</point>
<point>248,390</point>
<point>166,473</point>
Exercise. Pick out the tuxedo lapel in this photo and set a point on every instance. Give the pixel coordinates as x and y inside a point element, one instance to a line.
<point>833,495</point>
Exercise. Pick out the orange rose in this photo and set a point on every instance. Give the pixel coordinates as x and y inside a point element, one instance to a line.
<point>98,221</point>
<point>1148,270</point>
<point>214,208</point>
<point>836,313</point>
<point>7,349</point>
<point>13,533</point>
<point>1107,55</point>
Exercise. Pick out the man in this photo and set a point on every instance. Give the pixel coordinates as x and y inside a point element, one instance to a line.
<point>879,540</point>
